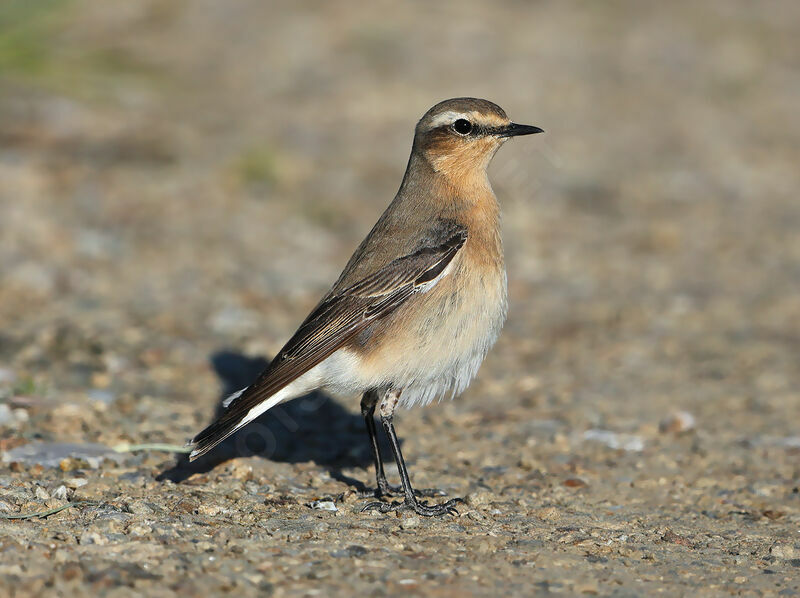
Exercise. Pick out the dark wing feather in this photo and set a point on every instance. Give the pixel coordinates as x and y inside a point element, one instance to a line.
<point>336,320</point>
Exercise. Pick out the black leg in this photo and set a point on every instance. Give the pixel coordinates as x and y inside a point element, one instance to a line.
<point>410,502</point>
<point>368,403</point>
<point>384,488</point>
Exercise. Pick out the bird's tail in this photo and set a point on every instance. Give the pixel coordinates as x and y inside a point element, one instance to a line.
<point>232,420</point>
<point>212,436</point>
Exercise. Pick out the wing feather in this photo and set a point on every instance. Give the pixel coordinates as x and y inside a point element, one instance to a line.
<point>336,320</point>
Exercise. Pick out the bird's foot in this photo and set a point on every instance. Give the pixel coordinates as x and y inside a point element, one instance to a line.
<point>419,507</point>
<point>387,490</point>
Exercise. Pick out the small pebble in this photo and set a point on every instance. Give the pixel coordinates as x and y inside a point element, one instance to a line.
<point>478,498</point>
<point>575,483</point>
<point>785,551</point>
<point>6,416</point>
<point>92,537</point>
<point>409,523</point>
<point>209,510</point>
<point>139,530</point>
<point>614,440</point>
<point>678,422</point>
<point>549,514</point>
<point>70,464</point>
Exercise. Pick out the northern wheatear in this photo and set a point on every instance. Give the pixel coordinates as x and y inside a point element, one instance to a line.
<point>419,304</point>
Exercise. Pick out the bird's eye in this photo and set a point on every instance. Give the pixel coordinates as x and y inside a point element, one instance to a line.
<point>462,126</point>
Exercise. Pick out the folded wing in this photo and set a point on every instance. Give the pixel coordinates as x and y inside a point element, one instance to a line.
<point>336,320</point>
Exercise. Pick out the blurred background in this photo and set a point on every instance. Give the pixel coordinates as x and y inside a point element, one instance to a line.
<point>178,178</point>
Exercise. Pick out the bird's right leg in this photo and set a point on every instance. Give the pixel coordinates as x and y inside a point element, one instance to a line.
<point>368,402</point>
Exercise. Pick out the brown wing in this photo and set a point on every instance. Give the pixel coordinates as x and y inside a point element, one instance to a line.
<point>338,318</point>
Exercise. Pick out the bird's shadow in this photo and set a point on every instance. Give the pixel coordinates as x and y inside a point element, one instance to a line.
<point>315,428</point>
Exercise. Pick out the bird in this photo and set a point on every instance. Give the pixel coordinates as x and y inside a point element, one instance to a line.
<point>418,305</point>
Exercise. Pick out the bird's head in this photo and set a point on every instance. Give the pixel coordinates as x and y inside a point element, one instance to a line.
<point>458,137</point>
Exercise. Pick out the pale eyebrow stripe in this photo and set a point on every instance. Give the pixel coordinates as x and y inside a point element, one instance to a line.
<point>445,118</point>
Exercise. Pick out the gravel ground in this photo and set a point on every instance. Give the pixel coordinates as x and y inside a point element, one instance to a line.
<point>182,180</point>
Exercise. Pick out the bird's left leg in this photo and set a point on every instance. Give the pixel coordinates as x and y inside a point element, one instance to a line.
<point>388,405</point>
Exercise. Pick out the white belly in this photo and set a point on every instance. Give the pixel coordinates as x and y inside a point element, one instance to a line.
<point>465,336</point>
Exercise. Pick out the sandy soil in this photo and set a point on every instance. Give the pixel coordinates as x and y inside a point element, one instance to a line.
<point>180,181</point>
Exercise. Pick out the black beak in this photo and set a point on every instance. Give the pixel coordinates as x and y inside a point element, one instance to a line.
<point>513,130</point>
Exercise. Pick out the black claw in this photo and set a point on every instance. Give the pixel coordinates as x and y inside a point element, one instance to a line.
<point>382,507</point>
<point>419,507</point>
<point>371,506</point>
<point>389,491</point>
